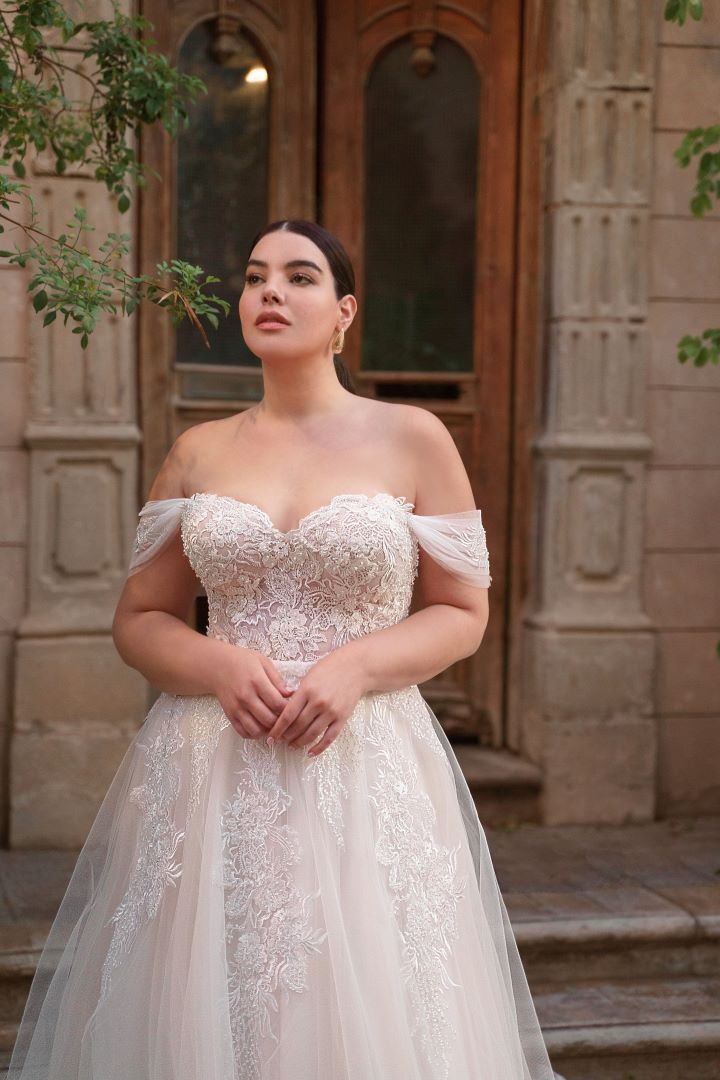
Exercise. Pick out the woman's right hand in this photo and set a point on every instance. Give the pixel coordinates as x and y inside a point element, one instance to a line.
<point>250,689</point>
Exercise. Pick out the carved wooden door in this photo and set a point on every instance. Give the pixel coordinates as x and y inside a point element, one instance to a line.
<point>395,125</point>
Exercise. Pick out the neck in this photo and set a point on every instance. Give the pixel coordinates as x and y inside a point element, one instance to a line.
<point>302,390</point>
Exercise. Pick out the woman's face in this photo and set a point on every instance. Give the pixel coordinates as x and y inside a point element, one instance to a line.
<point>288,275</point>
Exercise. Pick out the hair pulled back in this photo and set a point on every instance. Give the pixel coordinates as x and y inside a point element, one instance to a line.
<point>338,261</point>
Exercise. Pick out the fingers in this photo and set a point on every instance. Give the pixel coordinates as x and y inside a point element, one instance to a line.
<point>332,733</point>
<point>270,703</point>
<point>291,710</point>
<point>304,730</point>
<point>245,725</point>
<point>277,682</point>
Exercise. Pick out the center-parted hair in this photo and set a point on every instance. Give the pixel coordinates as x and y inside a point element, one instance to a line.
<point>338,261</point>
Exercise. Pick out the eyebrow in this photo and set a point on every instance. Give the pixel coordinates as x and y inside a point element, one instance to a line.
<point>293,262</point>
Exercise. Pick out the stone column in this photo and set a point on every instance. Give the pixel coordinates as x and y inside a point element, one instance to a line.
<point>588,645</point>
<point>76,704</point>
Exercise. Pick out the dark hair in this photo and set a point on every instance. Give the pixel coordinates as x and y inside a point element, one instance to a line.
<point>338,260</point>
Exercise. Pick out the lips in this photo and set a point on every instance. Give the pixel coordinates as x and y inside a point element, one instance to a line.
<point>271,317</point>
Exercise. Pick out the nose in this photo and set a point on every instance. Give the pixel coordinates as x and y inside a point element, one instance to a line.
<point>269,291</point>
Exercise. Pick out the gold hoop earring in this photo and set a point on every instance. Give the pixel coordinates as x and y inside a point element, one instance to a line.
<point>338,341</point>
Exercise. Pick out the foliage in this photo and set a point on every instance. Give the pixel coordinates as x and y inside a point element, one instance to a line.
<point>126,85</point>
<point>678,10</point>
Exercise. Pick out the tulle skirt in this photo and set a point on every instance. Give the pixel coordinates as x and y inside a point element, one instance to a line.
<point>245,912</point>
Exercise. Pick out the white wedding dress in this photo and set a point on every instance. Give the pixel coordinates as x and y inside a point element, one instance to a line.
<point>246,912</point>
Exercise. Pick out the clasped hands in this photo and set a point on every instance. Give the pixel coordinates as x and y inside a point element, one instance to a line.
<point>259,705</point>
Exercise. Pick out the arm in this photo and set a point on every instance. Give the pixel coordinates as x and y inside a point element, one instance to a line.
<point>452,624</point>
<point>150,629</point>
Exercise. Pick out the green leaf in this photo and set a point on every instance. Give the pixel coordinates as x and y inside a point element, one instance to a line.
<point>50,317</point>
<point>40,300</point>
<point>123,204</point>
<point>18,169</point>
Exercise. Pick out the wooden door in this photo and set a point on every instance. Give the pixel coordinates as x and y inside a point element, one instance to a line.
<point>395,125</point>
<point>418,161</point>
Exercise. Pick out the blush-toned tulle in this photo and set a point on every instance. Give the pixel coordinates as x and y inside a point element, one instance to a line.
<point>239,911</point>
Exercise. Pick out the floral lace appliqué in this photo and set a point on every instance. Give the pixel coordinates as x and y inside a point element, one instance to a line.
<point>268,922</point>
<point>409,702</point>
<point>340,761</point>
<point>159,841</point>
<point>423,880</point>
<point>207,721</point>
<point>346,570</point>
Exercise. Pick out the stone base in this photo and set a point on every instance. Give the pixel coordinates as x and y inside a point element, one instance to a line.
<point>77,708</point>
<point>587,722</point>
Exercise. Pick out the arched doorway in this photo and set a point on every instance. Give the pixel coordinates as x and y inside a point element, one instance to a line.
<point>398,129</point>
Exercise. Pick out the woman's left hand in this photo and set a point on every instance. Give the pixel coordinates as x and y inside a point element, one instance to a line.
<point>323,701</point>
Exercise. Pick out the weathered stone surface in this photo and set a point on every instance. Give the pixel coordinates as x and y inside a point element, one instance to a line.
<point>13,559</point>
<point>679,592</point>
<point>13,402</point>
<point>13,289</point>
<point>696,70</point>
<point>673,187</point>
<point>689,764</point>
<point>14,495</point>
<point>668,322</point>
<point>595,126</point>
<point>58,784</point>
<point>684,425</point>
<point>689,677</point>
<point>682,509</point>
<point>591,676</point>
<point>599,771</point>
<point>590,539</point>
<point>599,267</point>
<point>79,500</point>
<point>683,258</point>
<point>599,49</point>
<point>77,685</point>
<point>599,383</point>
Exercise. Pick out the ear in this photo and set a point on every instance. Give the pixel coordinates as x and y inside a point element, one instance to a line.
<point>347,308</point>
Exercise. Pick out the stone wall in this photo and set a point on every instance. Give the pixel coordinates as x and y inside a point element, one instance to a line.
<point>14,494</point>
<point>69,458</point>
<point>681,560</point>
<point>588,645</point>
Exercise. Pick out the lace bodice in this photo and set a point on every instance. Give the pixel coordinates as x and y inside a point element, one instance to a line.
<point>347,569</point>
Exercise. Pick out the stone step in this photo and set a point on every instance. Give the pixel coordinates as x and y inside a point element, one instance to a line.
<point>633,1029</point>
<point>667,946</point>
<point>506,788</point>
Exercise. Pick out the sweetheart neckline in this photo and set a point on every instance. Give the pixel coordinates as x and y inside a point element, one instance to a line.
<point>400,500</point>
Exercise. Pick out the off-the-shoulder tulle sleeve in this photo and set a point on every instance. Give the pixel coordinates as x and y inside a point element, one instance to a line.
<point>456,541</point>
<point>158,521</point>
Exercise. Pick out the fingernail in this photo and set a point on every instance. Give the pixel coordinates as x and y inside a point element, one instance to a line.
<point>270,740</point>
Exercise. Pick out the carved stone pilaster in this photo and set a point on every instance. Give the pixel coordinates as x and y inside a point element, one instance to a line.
<point>588,645</point>
<point>76,704</point>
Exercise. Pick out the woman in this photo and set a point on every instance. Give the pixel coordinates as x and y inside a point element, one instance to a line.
<point>287,879</point>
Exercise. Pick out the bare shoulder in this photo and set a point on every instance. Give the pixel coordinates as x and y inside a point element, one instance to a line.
<point>403,422</point>
<point>442,481</point>
<point>421,432</point>
<point>174,477</point>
